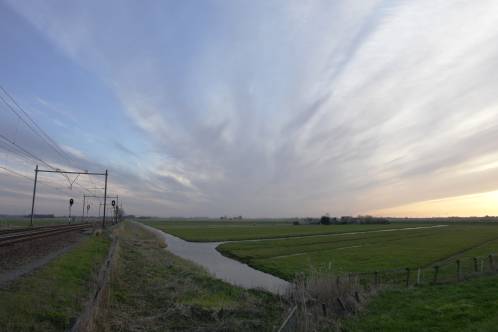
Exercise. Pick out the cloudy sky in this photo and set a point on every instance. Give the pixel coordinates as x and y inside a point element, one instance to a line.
<point>254,108</point>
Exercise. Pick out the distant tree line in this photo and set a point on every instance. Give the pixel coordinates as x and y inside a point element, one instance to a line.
<point>328,220</point>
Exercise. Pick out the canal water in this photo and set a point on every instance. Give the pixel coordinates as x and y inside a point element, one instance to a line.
<point>227,269</point>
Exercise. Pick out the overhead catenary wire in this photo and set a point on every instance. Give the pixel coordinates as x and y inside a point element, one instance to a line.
<point>34,127</point>
<point>37,130</point>
<point>26,155</point>
<point>16,173</point>
<point>15,148</point>
<point>26,152</point>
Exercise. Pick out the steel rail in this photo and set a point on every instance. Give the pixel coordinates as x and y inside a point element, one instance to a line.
<point>16,237</point>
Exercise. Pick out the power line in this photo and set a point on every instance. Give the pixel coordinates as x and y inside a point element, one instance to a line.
<point>27,159</point>
<point>25,154</point>
<point>38,131</point>
<point>16,173</point>
<point>11,171</point>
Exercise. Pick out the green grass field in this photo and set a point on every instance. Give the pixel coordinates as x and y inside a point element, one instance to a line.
<point>214,231</point>
<point>365,252</point>
<point>283,251</point>
<point>468,306</point>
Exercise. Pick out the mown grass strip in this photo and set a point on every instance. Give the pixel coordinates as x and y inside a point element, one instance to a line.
<point>51,298</point>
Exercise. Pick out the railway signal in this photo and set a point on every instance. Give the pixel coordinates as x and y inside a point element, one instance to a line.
<point>113,203</point>
<point>71,202</point>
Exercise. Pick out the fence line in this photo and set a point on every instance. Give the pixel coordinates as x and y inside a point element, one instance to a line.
<point>443,272</point>
<point>322,297</point>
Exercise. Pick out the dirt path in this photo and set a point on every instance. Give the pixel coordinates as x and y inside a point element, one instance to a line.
<point>332,234</point>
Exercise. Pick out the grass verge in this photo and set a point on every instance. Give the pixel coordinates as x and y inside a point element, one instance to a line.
<point>51,298</point>
<point>467,306</point>
<point>153,290</point>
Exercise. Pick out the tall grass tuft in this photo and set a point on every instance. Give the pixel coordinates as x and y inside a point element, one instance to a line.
<point>321,299</point>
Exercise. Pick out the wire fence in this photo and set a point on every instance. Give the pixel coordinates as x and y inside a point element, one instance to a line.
<point>318,299</point>
<point>448,271</point>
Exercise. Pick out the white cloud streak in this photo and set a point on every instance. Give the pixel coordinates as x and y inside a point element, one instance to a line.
<point>294,107</point>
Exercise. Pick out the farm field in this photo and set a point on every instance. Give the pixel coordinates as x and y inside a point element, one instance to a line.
<point>366,252</point>
<point>215,231</point>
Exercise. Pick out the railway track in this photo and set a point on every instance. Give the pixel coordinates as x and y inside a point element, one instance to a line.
<point>12,236</point>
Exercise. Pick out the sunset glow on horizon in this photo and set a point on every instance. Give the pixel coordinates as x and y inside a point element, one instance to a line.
<point>474,205</point>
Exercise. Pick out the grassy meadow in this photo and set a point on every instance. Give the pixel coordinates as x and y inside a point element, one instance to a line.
<point>366,252</point>
<point>283,249</point>
<point>468,306</point>
<point>215,231</point>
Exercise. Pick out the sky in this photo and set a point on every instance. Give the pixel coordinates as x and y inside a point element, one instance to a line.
<point>253,108</point>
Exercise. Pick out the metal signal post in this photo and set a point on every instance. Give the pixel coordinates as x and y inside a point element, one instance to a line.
<point>105,199</point>
<point>96,196</point>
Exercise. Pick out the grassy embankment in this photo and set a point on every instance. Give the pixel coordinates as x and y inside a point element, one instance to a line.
<point>365,252</point>
<point>468,306</point>
<point>213,231</point>
<point>52,298</point>
<point>154,290</point>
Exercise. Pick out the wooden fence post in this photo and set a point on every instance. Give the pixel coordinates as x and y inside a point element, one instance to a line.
<point>341,304</point>
<point>324,309</point>
<point>458,271</point>
<point>491,263</point>
<point>475,264</point>
<point>418,276</point>
<point>376,278</point>
<point>436,271</point>
<point>357,297</point>
<point>407,277</point>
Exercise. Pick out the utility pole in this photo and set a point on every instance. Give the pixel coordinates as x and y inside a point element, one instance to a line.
<point>105,199</point>
<point>83,214</point>
<point>37,170</point>
<point>33,201</point>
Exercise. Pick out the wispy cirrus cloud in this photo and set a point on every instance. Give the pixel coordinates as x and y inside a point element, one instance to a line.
<point>292,107</point>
